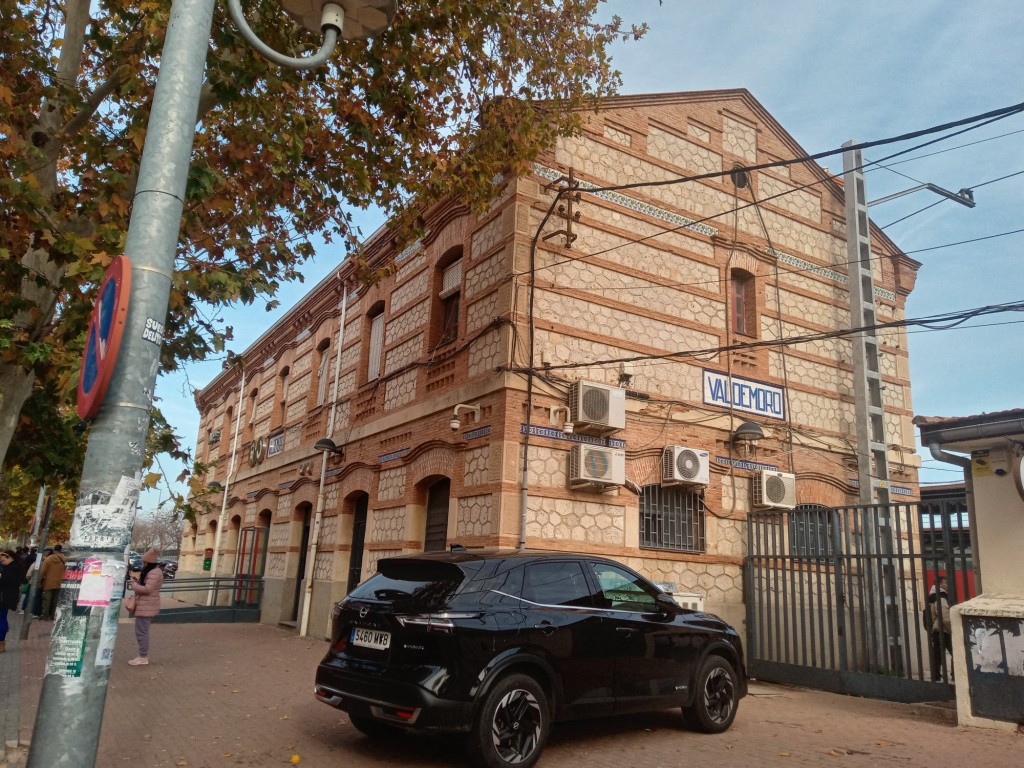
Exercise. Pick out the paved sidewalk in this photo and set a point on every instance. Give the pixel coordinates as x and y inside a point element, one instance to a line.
<point>219,695</point>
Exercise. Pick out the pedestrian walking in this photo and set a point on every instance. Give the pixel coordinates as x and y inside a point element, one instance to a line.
<point>941,629</point>
<point>51,575</point>
<point>147,605</point>
<point>12,576</point>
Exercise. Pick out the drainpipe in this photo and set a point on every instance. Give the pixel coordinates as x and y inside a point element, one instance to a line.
<point>964,463</point>
<point>318,516</point>
<point>222,520</point>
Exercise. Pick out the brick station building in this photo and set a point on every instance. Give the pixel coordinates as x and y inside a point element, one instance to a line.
<point>628,327</point>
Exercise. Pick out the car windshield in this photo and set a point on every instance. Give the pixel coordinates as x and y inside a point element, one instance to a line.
<point>411,586</point>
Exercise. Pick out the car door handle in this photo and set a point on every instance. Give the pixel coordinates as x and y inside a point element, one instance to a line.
<point>545,627</point>
<point>625,630</point>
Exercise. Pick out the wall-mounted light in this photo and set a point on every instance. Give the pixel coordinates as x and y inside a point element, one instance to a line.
<point>454,422</point>
<point>326,445</point>
<point>566,423</point>
<point>215,486</point>
<point>747,434</point>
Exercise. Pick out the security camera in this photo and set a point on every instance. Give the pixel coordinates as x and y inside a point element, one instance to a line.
<point>454,423</point>
<point>567,428</point>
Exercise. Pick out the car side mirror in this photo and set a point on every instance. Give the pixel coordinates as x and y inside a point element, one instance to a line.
<point>667,604</point>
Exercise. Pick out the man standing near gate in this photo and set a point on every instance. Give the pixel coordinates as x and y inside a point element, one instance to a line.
<point>941,632</point>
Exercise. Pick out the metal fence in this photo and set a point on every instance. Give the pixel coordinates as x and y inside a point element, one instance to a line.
<point>835,598</point>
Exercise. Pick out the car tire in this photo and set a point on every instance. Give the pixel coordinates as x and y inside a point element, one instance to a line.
<point>372,727</point>
<point>512,725</point>
<point>715,700</point>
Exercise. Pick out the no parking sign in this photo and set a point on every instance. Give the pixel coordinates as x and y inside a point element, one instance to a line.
<point>106,327</point>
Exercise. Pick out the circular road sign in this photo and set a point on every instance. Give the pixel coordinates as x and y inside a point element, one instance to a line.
<point>106,327</point>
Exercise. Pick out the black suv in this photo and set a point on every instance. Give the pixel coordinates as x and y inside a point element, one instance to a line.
<point>502,644</point>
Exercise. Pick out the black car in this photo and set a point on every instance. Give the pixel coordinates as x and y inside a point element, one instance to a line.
<point>134,561</point>
<point>502,644</point>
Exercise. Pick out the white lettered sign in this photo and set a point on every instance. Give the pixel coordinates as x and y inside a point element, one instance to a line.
<point>744,395</point>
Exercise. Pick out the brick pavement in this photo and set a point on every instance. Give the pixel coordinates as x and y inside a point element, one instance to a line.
<point>219,695</point>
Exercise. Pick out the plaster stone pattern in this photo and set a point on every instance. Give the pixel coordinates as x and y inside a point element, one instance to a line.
<point>475,516</point>
<point>893,396</point>
<point>407,322</point>
<point>594,318</point>
<point>374,556</point>
<point>808,309</point>
<point>400,390</point>
<point>341,415</point>
<point>640,258</point>
<point>299,384</point>
<point>293,435</point>
<point>264,408</point>
<point>682,153</point>
<point>414,264</point>
<point>795,277</point>
<point>799,202</point>
<point>329,531</point>
<point>250,512</point>
<point>548,467</point>
<point>486,354</point>
<point>353,322</point>
<point>677,382</point>
<point>331,496</point>
<point>303,363</point>
<point>486,274</point>
<point>346,384</point>
<point>405,294</point>
<point>811,373</point>
<point>487,237</point>
<point>261,429</point>
<point>594,522</point>
<point>275,564</point>
<point>828,349</point>
<point>736,494</point>
<point>284,505</point>
<point>214,453</point>
<point>717,583</point>
<point>619,137</point>
<point>481,313</point>
<point>888,364</point>
<point>391,484</point>
<point>477,466</point>
<point>641,293</point>
<point>323,566</point>
<point>388,524</point>
<point>698,132</point>
<point>405,353</point>
<point>730,535</point>
<point>296,409</point>
<point>279,535</point>
<point>824,412</point>
<point>739,138</point>
<point>350,356</point>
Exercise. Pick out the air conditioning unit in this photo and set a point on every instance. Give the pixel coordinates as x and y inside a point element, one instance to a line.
<point>685,466</point>
<point>774,490</point>
<point>597,409</point>
<point>592,466</point>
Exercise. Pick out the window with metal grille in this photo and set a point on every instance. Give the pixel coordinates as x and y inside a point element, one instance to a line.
<point>376,346</point>
<point>672,518</point>
<point>810,531</point>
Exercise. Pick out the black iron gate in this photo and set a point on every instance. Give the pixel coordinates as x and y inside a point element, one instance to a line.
<point>835,599</point>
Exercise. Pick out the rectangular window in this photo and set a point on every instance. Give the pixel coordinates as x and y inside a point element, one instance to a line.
<point>321,389</point>
<point>376,347</point>
<point>672,518</point>
<point>449,320</point>
<point>810,533</point>
<point>739,305</point>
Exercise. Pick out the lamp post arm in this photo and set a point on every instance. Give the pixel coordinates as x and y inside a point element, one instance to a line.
<point>333,18</point>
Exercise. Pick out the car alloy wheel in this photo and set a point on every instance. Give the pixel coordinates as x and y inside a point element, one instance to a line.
<point>714,707</point>
<point>513,724</point>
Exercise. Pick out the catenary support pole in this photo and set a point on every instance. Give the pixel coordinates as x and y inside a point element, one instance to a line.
<point>81,649</point>
<point>314,539</point>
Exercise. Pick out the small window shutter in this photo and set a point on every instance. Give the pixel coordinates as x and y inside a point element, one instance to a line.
<point>321,391</point>
<point>451,279</point>
<point>376,347</point>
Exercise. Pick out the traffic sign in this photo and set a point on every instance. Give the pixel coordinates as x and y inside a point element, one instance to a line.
<point>106,327</point>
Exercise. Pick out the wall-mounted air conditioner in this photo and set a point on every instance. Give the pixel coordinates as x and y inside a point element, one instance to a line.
<point>597,409</point>
<point>592,466</point>
<point>774,490</point>
<point>685,466</point>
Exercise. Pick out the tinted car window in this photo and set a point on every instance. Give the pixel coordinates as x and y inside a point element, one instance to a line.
<point>411,586</point>
<point>623,590</point>
<point>557,584</point>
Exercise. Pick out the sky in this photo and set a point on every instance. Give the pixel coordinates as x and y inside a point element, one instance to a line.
<point>830,72</point>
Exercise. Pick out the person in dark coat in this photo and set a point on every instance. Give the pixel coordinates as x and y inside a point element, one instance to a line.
<point>12,576</point>
<point>147,589</point>
<point>51,575</point>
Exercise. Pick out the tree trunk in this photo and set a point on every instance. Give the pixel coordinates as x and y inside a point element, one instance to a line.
<point>15,387</point>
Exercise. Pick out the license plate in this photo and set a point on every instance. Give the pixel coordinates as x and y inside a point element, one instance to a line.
<point>371,638</point>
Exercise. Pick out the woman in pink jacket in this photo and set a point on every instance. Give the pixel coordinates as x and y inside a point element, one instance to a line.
<point>147,589</point>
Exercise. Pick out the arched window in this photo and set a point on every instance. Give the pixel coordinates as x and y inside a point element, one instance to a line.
<point>743,303</point>
<point>375,343</point>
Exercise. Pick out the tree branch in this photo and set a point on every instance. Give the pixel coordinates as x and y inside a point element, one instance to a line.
<point>89,107</point>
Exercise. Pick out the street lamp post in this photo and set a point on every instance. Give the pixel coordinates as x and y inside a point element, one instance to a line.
<point>82,643</point>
